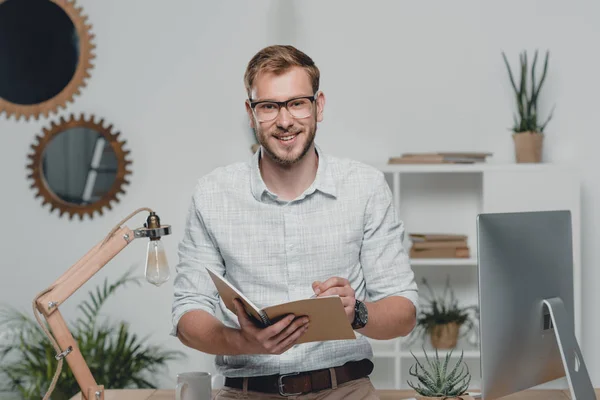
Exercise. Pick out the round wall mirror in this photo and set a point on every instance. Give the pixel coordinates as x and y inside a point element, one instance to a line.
<point>45,53</point>
<point>78,166</point>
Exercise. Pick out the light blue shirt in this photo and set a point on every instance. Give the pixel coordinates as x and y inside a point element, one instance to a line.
<point>344,224</point>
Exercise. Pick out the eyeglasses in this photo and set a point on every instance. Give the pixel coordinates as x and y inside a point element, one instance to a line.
<point>298,107</point>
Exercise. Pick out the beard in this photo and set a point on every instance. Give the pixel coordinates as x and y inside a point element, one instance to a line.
<point>281,159</point>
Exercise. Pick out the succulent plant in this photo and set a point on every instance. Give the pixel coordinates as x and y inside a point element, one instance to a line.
<point>527,97</point>
<point>437,379</point>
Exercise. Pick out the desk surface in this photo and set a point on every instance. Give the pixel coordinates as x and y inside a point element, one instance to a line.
<point>151,394</point>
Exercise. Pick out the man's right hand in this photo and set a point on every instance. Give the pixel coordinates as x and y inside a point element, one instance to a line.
<point>274,339</point>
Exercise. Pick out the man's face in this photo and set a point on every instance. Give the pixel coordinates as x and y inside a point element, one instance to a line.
<point>285,139</point>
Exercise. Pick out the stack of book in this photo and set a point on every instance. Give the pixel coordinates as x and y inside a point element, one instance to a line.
<point>436,245</point>
<point>440,158</point>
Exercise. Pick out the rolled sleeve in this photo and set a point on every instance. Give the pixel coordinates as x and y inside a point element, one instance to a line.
<point>193,287</point>
<point>385,262</point>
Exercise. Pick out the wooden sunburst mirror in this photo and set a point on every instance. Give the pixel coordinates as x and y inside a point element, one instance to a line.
<point>45,56</point>
<point>78,166</point>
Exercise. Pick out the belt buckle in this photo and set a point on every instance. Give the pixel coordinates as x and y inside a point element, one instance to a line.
<point>281,385</point>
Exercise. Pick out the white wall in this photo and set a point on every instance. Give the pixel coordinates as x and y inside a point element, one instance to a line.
<point>398,76</point>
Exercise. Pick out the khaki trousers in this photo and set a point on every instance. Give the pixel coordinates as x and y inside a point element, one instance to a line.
<point>359,389</point>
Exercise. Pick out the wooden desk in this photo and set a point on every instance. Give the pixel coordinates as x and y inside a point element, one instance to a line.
<point>161,394</point>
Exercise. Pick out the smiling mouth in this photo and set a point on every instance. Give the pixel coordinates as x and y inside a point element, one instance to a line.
<point>287,138</point>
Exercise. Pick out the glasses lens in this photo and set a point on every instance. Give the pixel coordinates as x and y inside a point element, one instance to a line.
<point>300,108</point>
<point>266,111</point>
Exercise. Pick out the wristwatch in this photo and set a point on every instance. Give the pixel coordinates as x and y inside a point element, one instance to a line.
<point>361,315</point>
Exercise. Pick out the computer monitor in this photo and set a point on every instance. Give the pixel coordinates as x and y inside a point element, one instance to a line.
<point>525,272</point>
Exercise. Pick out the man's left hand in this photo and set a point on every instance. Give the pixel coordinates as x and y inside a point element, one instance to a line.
<point>341,287</point>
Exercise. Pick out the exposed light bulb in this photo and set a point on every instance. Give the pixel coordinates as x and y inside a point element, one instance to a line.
<point>157,268</point>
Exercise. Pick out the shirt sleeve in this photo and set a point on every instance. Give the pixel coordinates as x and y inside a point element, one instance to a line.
<point>384,259</point>
<point>193,287</point>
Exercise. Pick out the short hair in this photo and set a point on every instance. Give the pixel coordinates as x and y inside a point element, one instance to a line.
<point>278,59</point>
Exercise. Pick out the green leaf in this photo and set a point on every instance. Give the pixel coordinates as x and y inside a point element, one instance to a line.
<point>454,371</point>
<point>512,80</point>
<point>423,369</point>
<point>545,70</point>
<point>438,375</point>
<point>446,361</point>
<point>533,88</point>
<point>521,98</point>
<point>422,378</point>
<point>547,120</point>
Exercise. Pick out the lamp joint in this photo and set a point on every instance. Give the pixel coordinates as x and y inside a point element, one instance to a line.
<point>63,354</point>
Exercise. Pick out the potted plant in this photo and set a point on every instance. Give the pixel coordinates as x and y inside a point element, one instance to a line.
<point>438,379</point>
<point>442,317</point>
<point>528,132</point>
<point>117,357</point>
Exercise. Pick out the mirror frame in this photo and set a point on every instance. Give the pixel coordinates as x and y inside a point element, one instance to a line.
<point>82,72</point>
<point>37,174</point>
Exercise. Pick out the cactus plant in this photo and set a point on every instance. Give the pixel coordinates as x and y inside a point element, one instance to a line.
<point>527,98</point>
<point>438,380</point>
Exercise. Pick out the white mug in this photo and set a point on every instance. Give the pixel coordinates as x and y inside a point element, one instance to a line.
<point>194,386</point>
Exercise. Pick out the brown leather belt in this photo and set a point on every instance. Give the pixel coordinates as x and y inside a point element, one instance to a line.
<point>304,382</point>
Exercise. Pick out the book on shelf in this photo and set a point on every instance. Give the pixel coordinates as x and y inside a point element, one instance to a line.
<point>441,244</point>
<point>450,252</point>
<point>328,320</point>
<point>436,237</point>
<point>440,158</point>
<point>438,245</point>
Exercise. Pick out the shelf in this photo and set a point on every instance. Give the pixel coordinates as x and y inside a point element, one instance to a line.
<point>443,261</point>
<point>442,353</point>
<point>458,193</point>
<point>385,354</point>
<point>430,353</point>
<point>463,168</point>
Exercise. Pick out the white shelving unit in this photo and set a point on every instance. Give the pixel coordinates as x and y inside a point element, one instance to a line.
<point>442,262</point>
<point>446,198</point>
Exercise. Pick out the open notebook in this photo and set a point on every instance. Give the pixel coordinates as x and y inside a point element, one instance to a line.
<point>327,317</point>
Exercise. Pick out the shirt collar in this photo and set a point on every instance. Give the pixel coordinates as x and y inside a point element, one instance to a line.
<point>324,180</point>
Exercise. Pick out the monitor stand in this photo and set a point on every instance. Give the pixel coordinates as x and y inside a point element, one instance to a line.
<point>575,370</point>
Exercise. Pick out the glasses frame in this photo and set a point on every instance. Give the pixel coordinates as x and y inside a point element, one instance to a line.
<point>280,104</point>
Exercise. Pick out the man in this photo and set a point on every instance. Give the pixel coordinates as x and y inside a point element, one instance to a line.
<point>291,223</point>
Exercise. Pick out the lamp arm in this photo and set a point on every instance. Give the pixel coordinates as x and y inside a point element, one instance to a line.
<point>48,300</point>
<point>52,340</point>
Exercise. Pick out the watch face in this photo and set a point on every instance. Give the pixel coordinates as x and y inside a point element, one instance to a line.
<point>362,315</point>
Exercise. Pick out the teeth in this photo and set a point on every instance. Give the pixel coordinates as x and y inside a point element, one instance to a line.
<point>285,138</point>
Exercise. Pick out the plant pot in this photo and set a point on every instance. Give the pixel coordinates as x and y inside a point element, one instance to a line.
<point>444,336</point>
<point>465,397</point>
<point>528,147</point>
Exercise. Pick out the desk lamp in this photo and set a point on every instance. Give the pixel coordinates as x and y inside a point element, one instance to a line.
<point>48,301</point>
